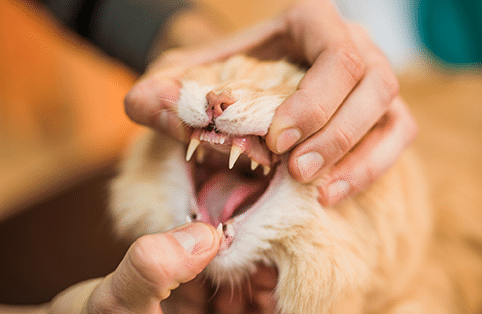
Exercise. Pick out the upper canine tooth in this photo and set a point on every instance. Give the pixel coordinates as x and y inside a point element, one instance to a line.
<point>221,141</point>
<point>193,144</point>
<point>254,165</point>
<point>234,155</point>
<point>266,170</point>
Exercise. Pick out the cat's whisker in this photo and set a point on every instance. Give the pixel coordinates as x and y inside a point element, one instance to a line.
<point>217,285</point>
<point>164,110</point>
<point>168,100</point>
<point>231,284</point>
<point>249,287</point>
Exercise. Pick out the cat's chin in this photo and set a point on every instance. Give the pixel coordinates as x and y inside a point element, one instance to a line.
<point>231,176</point>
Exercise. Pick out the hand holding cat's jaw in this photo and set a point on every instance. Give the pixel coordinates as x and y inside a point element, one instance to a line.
<point>153,266</point>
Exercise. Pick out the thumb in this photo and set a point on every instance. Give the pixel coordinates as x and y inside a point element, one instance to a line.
<point>156,264</point>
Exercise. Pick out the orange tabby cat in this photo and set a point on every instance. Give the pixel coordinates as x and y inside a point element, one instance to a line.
<point>370,254</point>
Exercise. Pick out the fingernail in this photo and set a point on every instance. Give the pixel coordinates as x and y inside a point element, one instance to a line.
<point>309,164</point>
<point>195,238</point>
<point>287,139</point>
<point>338,191</point>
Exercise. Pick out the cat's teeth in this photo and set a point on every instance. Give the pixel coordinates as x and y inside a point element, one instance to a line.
<point>222,140</point>
<point>188,219</point>
<point>234,155</point>
<point>220,230</point>
<point>193,144</point>
<point>254,165</point>
<point>266,170</point>
<point>200,154</point>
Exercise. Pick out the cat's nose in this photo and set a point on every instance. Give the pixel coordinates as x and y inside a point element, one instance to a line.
<point>217,103</point>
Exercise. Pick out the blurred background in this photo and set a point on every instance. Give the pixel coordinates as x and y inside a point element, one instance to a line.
<point>63,128</point>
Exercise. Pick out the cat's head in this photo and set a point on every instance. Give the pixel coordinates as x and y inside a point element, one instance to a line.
<point>241,186</point>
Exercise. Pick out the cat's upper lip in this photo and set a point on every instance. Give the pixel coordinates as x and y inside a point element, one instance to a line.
<point>251,145</point>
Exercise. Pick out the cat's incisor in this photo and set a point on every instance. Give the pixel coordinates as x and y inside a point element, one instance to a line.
<point>370,254</point>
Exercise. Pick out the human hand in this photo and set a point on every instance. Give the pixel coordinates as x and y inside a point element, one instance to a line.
<point>345,125</point>
<point>153,266</point>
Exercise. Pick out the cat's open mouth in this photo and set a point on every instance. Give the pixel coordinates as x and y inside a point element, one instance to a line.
<point>230,175</point>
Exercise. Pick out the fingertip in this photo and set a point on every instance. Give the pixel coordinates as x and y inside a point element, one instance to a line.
<point>148,97</point>
<point>305,166</point>
<point>286,139</point>
<point>334,192</point>
<point>198,238</point>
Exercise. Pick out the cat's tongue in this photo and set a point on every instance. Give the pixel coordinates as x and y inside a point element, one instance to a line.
<point>223,194</point>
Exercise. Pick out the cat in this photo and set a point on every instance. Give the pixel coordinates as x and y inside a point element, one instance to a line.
<point>369,254</point>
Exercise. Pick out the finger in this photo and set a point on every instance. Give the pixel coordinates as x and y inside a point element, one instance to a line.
<point>265,278</point>
<point>372,157</point>
<point>263,284</point>
<point>265,302</point>
<point>191,297</point>
<point>336,67</point>
<point>157,264</point>
<point>358,114</point>
<point>153,102</point>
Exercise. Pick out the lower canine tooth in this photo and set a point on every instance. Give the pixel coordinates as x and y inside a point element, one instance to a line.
<point>234,155</point>
<point>266,170</point>
<point>193,144</point>
<point>254,165</point>
<point>220,230</point>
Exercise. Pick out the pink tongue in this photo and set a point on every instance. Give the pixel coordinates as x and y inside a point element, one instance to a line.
<point>222,194</point>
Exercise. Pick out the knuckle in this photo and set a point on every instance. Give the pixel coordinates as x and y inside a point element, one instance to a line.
<point>320,115</point>
<point>144,259</point>
<point>411,129</point>
<point>344,139</point>
<point>133,103</point>
<point>388,84</point>
<point>371,176</point>
<point>357,28</point>
<point>351,61</point>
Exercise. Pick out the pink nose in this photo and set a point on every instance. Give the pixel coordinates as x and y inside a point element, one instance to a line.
<point>217,103</point>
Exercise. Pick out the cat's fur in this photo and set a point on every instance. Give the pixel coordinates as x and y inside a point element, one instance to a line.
<point>370,254</point>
